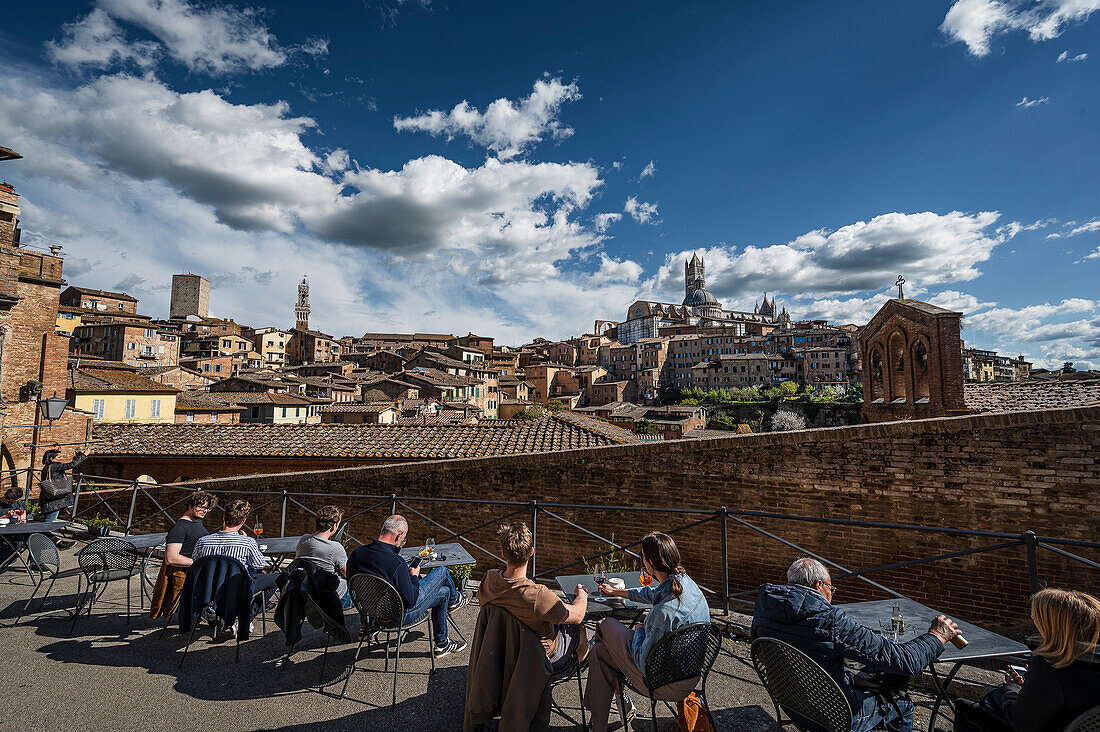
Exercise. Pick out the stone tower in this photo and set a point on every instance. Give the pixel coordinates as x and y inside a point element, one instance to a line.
<point>301,310</point>
<point>190,296</point>
<point>695,275</point>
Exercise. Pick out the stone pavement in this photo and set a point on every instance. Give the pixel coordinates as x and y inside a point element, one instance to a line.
<point>109,675</point>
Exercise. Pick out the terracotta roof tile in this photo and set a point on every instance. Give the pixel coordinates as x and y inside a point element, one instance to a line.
<point>93,379</point>
<point>1013,396</point>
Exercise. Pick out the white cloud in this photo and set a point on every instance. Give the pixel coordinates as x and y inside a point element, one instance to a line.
<point>1032,323</point>
<point>604,220</point>
<point>214,39</point>
<point>648,171</point>
<point>1064,57</point>
<point>958,301</point>
<point>612,270</point>
<point>505,127</point>
<point>640,211</point>
<point>928,248</point>
<point>1028,103</point>
<point>977,22</point>
<point>1094,255</point>
<point>1087,228</point>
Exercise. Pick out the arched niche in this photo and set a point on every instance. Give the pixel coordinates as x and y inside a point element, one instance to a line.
<point>897,362</point>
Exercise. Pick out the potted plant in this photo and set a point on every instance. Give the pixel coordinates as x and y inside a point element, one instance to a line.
<point>100,525</point>
<point>460,573</point>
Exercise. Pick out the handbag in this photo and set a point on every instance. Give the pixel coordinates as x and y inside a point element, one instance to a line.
<point>693,715</point>
<point>55,487</point>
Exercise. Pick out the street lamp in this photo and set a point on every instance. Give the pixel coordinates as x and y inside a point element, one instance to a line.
<point>53,407</point>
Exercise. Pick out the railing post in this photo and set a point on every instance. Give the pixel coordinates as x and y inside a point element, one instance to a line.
<point>393,504</point>
<point>534,535</point>
<point>76,494</point>
<point>725,566</point>
<point>1032,561</point>
<point>133,503</point>
<point>282,516</point>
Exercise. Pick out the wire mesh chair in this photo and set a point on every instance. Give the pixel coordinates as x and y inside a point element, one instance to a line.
<point>796,683</point>
<point>45,556</point>
<point>104,561</point>
<point>686,653</point>
<point>1087,722</point>
<point>380,605</point>
<point>571,669</point>
<point>331,627</point>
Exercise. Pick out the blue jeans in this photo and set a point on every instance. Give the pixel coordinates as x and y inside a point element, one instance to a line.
<point>895,715</point>
<point>51,516</point>
<point>437,591</point>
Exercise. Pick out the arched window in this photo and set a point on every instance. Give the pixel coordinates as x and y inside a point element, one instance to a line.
<point>897,364</point>
<point>920,370</point>
<point>876,387</point>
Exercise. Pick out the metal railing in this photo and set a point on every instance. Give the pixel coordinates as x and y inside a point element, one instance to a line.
<point>539,513</point>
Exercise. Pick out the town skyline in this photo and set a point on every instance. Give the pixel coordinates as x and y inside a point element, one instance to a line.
<point>560,188</point>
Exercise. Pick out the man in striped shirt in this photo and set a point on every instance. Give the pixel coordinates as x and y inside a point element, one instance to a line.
<point>230,541</point>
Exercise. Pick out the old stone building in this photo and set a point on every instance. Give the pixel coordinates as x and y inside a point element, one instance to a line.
<point>912,365</point>
<point>135,344</point>
<point>190,296</point>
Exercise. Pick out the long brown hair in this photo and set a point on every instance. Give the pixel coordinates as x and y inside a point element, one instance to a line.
<point>1069,623</point>
<point>661,552</point>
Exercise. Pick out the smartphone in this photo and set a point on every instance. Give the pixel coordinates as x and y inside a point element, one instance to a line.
<point>416,562</point>
<point>1019,670</point>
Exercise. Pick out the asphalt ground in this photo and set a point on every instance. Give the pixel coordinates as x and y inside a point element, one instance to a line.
<point>110,675</point>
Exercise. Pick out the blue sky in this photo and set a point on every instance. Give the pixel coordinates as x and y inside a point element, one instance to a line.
<point>521,169</point>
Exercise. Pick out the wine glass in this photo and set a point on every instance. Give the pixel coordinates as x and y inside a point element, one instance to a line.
<point>599,575</point>
<point>429,544</point>
<point>258,528</point>
<point>645,578</point>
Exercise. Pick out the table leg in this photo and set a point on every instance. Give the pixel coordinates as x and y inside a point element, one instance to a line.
<point>941,692</point>
<point>17,546</point>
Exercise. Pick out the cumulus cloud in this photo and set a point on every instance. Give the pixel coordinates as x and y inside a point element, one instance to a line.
<point>1028,103</point>
<point>928,248</point>
<point>1064,57</point>
<point>1043,322</point>
<point>603,221</point>
<point>214,39</point>
<point>977,22</point>
<point>640,211</point>
<point>613,270</point>
<point>1094,255</point>
<point>505,127</point>
<point>648,171</point>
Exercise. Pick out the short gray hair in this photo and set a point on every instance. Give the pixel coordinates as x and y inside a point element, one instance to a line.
<point>807,572</point>
<point>395,525</point>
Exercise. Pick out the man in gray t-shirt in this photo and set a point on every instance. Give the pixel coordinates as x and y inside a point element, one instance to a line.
<point>322,551</point>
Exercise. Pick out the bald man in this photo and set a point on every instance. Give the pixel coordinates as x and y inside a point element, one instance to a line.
<point>434,591</point>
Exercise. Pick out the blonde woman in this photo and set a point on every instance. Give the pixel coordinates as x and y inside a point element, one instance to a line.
<point>1062,679</point>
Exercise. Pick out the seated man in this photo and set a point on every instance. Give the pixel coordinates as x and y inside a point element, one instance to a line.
<point>435,590</point>
<point>801,613</point>
<point>178,548</point>
<point>231,541</point>
<point>321,551</point>
<point>556,624</point>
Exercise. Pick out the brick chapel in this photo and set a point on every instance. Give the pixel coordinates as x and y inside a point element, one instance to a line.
<point>912,362</point>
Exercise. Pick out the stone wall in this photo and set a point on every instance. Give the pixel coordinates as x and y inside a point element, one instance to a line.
<point>1008,473</point>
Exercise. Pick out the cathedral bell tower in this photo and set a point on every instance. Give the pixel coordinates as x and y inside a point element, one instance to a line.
<point>695,276</point>
<point>301,310</point>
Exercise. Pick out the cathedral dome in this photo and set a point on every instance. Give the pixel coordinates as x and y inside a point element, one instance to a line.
<point>700,298</point>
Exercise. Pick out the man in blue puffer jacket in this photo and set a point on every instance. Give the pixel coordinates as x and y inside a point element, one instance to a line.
<point>801,614</point>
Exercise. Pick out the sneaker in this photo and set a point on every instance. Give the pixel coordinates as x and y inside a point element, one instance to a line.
<point>462,601</point>
<point>451,646</point>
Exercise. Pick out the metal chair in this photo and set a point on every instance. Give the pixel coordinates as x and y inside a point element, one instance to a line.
<point>1086,722</point>
<point>209,610</point>
<point>686,653</point>
<point>104,561</point>
<point>330,627</point>
<point>798,684</point>
<point>44,555</point>
<point>379,604</point>
<point>573,668</point>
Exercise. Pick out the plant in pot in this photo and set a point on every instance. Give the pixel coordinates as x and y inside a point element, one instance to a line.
<point>460,573</point>
<point>100,525</point>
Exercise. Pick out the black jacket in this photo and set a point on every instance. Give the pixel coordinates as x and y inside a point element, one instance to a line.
<point>302,578</point>
<point>54,477</point>
<point>1051,697</point>
<point>224,581</point>
<point>382,560</point>
<point>801,617</point>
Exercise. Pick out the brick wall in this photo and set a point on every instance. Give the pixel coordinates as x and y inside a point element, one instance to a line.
<point>1006,472</point>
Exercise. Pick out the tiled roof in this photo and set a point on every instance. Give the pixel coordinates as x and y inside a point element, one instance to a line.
<point>351,441</point>
<point>257,397</point>
<point>611,432</point>
<point>103,293</point>
<point>357,408</point>
<point>95,379</point>
<point>1013,396</point>
<point>200,401</point>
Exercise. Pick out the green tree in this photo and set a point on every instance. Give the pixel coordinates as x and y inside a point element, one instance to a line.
<point>645,427</point>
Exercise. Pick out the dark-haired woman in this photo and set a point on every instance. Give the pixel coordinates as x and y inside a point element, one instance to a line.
<point>55,486</point>
<point>617,651</point>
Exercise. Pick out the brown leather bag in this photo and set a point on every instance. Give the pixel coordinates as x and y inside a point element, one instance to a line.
<point>693,715</point>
